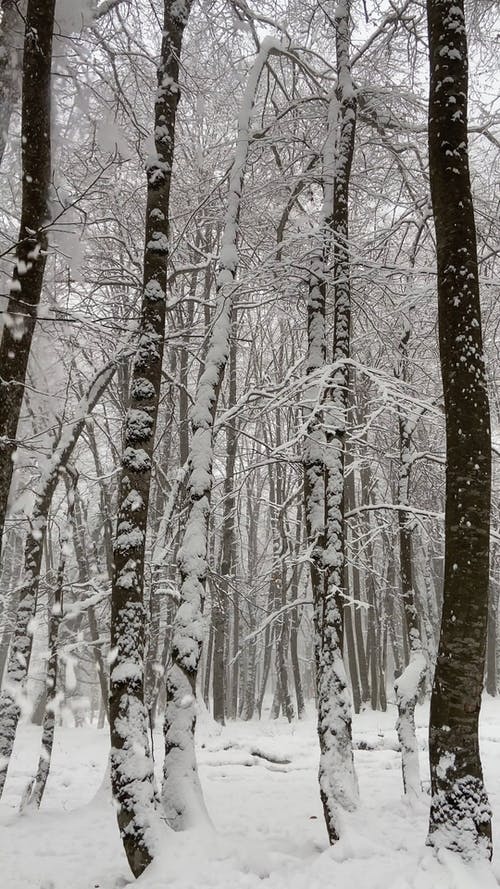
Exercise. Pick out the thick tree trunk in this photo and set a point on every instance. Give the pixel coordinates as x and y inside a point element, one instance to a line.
<point>460,818</point>
<point>132,776</point>
<point>31,248</point>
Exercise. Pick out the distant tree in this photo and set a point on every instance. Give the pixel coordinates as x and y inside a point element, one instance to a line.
<point>460,817</point>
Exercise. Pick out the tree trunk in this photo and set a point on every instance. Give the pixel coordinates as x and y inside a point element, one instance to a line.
<point>132,775</point>
<point>219,622</point>
<point>34,793</point>
<point>337,778</point>
<point>460,818</point>
<point>295,623</point>
<point>181,795</point>
<point>228,590</point>
<point>407,686</point>
<point>31,248</point>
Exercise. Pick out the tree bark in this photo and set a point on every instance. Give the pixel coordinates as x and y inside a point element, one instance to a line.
<point>337,778</point>
<point>460,817</point>
<point>34,793</point>
<point>31,248</point>
<point>409,683</point>
<point>132,777</point>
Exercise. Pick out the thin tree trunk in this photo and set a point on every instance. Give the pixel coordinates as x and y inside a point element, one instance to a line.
<point>208,667</point>
<point>460,817</point>
<point>219,622</point>
<point>337,778</point>
<point>34,794</point>
<point>295,623</point>
<point>227,590</point>
<point>407,686</point>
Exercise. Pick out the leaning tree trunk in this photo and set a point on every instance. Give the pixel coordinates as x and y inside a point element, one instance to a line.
<point>324,465</point>
<point>22,643</point>
<point>182,796</point>
<point>460,817</point>
<point>31,248</point>
<point>132,777</point>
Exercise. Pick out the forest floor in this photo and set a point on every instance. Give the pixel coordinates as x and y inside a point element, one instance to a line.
<point>269,829</point>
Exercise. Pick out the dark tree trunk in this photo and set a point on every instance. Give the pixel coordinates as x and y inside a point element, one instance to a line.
<point>351,656</point>
<point>295,624</point>
<point>208,667</point>
<point>132,776</point>
<point>408,685</point>
<point>228,589</point>
<point>31,248</point>
<point>460,818</point>
<point>219,622</point>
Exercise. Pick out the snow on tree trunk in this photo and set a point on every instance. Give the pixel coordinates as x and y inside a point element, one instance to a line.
<point>324,456</point>
<point>84,575</point>
<point>31,248</point>
<point>460,818</point>
<point>132,775</point>
<point>408,685</point>
<point>20,651</point>
<point>182,796</point>
<point>34,793</point>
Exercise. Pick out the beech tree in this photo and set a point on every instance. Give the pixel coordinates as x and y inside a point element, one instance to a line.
<point>460,818</point>
<point>31,247</point>
<point>182,796</point>
<point>325,450</point>
<point>131,764</point>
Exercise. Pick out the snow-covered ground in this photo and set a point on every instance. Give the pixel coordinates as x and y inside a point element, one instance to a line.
<point>269,829</point>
